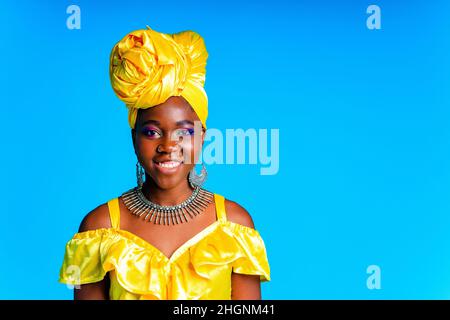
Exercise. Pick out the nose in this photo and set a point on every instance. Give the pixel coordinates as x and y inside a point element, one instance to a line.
<point>168,146</point>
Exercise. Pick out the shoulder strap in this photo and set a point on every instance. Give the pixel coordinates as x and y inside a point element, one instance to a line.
<point>114,213</point>
<point>220,207</point>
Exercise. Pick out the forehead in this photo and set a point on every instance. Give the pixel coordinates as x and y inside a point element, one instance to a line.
<point>172,110</point>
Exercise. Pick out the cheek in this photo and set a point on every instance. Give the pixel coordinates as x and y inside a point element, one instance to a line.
<point>145,148</point>
<point>190,150</point>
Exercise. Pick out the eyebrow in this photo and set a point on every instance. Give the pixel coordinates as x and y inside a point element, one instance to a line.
<point>150,122</point>
<point>178,123</point>
<point>183,122</point>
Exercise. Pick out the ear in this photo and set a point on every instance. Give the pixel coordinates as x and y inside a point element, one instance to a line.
<point>133,138</point>
<point>203,135</point>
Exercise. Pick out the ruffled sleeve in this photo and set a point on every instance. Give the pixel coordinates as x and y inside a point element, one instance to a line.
<point>83,258</point>
<point>251,257</point>
<point>137,266</point>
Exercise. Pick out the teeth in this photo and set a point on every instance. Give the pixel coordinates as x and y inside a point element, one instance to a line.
<point>169,164</point>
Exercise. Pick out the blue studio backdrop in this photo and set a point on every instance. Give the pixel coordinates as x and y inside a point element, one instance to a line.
<point>363,180</point>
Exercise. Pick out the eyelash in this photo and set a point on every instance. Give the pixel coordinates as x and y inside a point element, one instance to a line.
<point>146,132</point>
<point>189,131</point>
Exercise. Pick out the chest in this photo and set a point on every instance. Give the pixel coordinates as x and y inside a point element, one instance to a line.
<point>167,238</point>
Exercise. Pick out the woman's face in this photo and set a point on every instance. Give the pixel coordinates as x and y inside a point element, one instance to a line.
<point>164,143</point>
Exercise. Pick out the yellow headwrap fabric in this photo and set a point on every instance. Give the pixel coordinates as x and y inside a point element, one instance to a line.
<point>148,67</point>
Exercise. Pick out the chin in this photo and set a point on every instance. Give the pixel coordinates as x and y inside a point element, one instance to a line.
<point>168,182</point>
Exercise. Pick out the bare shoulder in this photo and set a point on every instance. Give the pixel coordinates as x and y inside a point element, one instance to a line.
<point>96,219</point>
<point>238,214</point>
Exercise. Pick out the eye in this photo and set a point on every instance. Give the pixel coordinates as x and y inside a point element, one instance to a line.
<point>185,132</point>
<point>151,133</point>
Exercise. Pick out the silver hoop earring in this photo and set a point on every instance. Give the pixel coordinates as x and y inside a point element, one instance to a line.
<point>196,180</point>
<point>139,174</point>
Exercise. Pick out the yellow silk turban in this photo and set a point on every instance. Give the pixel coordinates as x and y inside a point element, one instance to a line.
<point>148,67</point>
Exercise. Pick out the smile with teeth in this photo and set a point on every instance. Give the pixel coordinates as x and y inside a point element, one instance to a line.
<point>168,164</point>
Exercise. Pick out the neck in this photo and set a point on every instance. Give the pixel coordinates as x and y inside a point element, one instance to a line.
<point>166,197</point>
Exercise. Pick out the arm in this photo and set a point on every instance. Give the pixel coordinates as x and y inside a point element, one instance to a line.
<point>93,291</point>
<point>243,286</point>
<point>96,219</point>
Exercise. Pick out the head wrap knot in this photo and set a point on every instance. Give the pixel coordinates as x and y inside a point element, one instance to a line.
<point>148,67</point>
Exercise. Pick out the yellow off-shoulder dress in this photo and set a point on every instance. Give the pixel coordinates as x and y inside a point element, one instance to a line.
<point>199,269</point>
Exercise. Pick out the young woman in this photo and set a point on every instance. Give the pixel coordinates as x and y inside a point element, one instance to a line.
<point>167,238</point>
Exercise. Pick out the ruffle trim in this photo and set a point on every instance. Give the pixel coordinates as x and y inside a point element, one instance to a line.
<point>141,268</point>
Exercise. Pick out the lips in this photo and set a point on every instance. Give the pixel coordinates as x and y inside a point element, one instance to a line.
<point>168,166</point>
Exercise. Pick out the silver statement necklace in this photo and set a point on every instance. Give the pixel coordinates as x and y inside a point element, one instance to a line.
<point>140,206</point>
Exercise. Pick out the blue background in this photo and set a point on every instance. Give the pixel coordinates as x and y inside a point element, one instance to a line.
<point>364,136</point>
